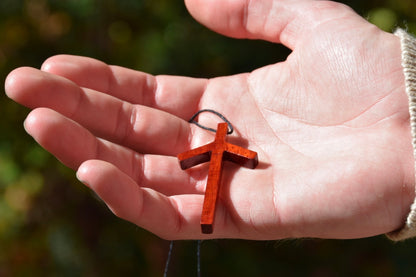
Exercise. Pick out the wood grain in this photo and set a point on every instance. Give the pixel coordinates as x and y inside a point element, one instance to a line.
<point>216,152</point>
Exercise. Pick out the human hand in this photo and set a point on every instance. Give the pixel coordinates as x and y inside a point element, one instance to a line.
<point>330,125</point>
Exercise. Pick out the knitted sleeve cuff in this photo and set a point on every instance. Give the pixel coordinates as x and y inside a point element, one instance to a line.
<point>408,48</point>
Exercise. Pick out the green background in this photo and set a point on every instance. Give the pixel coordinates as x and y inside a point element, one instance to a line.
<point>51,225</point>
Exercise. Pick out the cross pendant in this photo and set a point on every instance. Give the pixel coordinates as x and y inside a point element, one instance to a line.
<point>216,152</point>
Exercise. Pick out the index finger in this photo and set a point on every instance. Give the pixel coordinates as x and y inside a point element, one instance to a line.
<point>174,94</point>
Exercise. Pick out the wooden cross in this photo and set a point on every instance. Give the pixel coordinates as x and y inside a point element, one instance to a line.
<point>216,152</point>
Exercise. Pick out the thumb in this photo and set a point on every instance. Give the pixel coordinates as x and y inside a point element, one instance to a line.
<point>280,21</point>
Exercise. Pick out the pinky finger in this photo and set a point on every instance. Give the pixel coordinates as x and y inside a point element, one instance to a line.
<point>172,217</point>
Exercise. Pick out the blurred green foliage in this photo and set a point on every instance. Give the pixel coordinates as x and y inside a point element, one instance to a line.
<point>51,225</point>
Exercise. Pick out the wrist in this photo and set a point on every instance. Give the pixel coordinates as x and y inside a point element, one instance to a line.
<point>408,227</point>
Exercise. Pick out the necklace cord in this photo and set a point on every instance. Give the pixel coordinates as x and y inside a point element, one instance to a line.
<point>192,120</point>
<point>165,272</point>
<point>199,242</point>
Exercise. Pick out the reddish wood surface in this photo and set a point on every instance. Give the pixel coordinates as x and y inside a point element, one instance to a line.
<point>216,152</point>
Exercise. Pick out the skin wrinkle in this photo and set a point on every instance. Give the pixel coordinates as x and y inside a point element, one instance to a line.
<point>156,90</point>
<point>190,137</point>
<point>280,34</point>
<point>245,14</point>
<point>251,95</point>
<point>238,103</point>
<point>192,130</point>
<point>194,135</point>
<point>250,90</point>
<point>354,117</point>
<point>205,93</point>
<point>369,108</point>
<point>144,99</point>
<point>268,20</point>
<point>284,36</point>
<point>344,123</point>
<point>379,101</point>
<point>372,124</point>
<point>275,201</point>
<point>288,32</point>
<point>138,168</point>
<point>113,82</point>
<point>179,132</point>
<point>81,95</point>
<point>320,7</point>
<point>140,208</point>
<point>199,183</point>
<point>192,181</point>
<point>179,220</point>
<point>110,80</point>
<point>317,10</point>
<point>225,209</point>
<point>261,229</point>
<point>134,120</point>
<point>252,220</point>
<point>151,81</point>
<point>126,128</point>
<point>265,19</point>
<point>143,195</point>
<point>277,136</point>
<point>274,188</point>
<point>96,152</point>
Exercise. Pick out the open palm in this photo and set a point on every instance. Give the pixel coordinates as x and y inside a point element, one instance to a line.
<point>330,125</point>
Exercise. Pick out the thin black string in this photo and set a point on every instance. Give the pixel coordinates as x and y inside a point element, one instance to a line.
<point>165,273</point>
<point>199,242</point>
<point>229,131</point>
<point>198,256</point>
<point>192,120</point>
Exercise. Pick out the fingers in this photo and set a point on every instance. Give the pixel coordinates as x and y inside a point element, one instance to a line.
<point>168,217</point>
<point>173,94</point>
<point>151,191</point>
<point>72,145</point>
<point>173,217</point>
<point>139,127</point>
<point>281,21</point>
